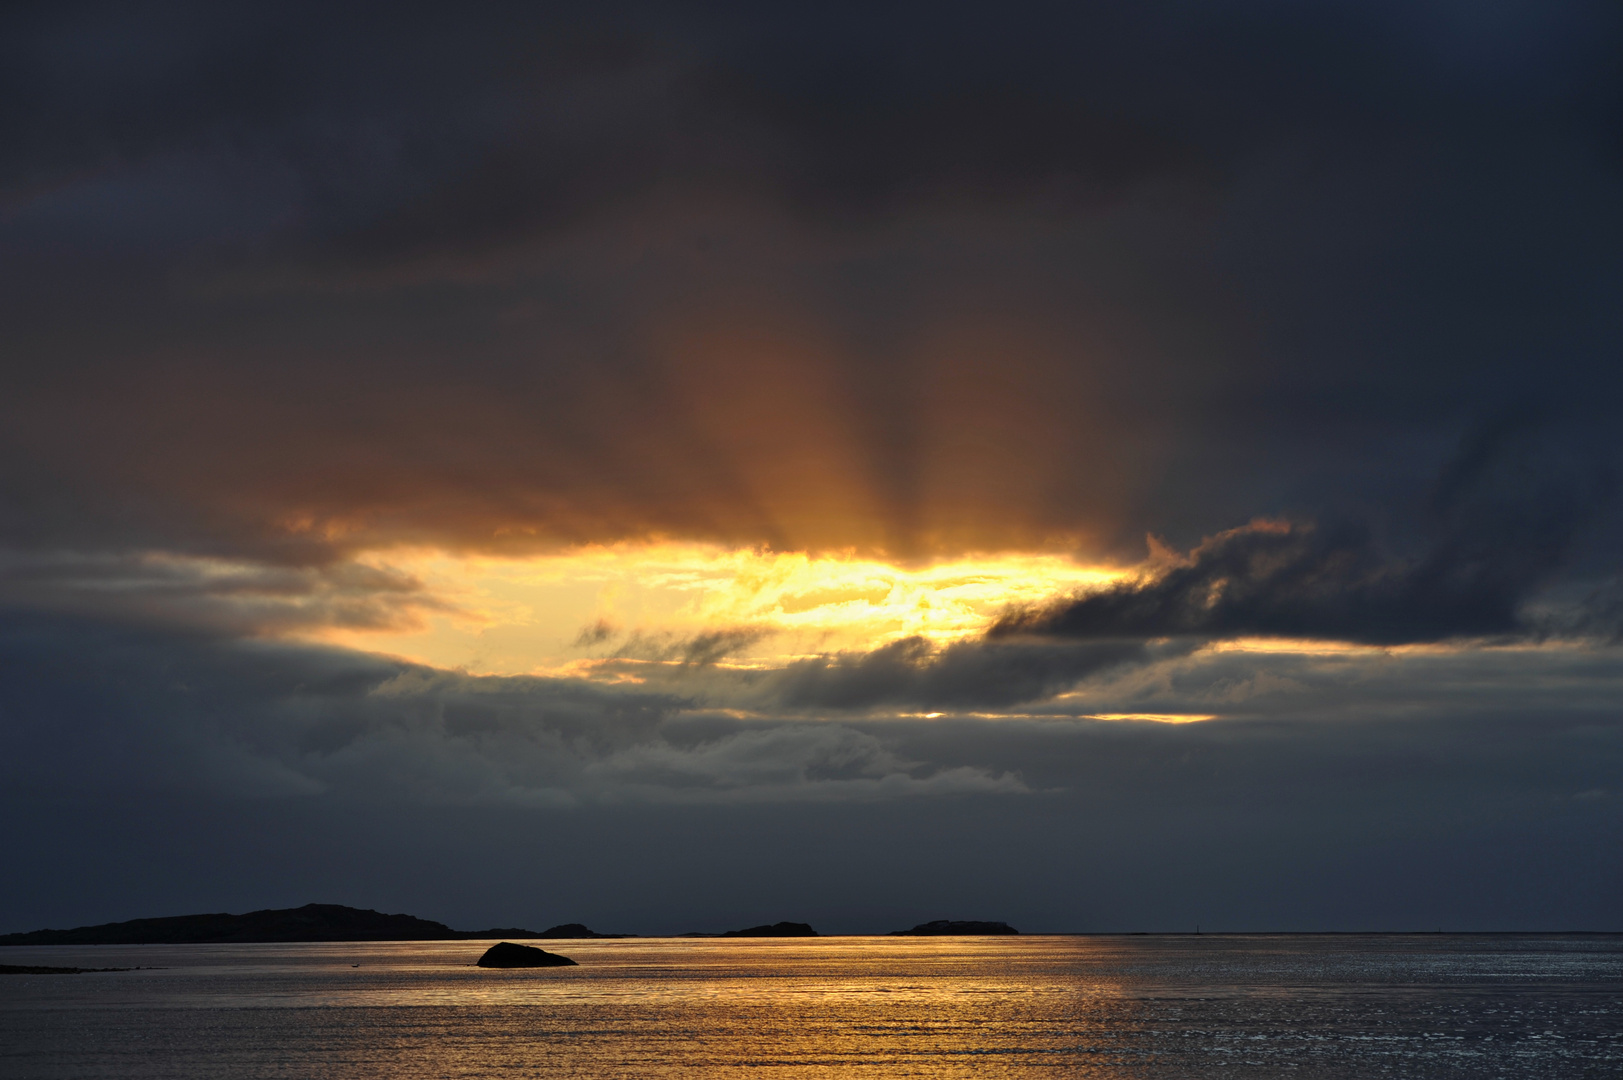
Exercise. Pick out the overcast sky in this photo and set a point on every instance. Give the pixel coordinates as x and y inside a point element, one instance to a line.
<point>673,467</point>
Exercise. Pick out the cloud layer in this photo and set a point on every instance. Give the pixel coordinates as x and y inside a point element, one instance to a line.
<point>904,280</point>
<point>1340,790</point>
<point>1322,298</point>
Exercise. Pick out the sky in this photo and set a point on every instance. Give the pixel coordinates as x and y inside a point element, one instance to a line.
<point>673,467</point>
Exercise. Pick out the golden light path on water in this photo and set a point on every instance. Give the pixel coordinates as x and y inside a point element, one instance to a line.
<point>1162,1005</point>
<point>559,613</point>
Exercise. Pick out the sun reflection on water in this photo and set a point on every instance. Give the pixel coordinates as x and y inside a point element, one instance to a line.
<point>1332,1007</point>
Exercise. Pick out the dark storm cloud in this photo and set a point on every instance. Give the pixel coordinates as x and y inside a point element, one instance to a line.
<point>1297,581</point>
<point>697,650</point>
<point>965,675</point>
<point>230,599</point>
<point>1598,614</point>
<point>92,709</point>
<point>165,710</point>
<point>144,772</point>
<point>285,281</point>
<point>1503,520</point>
<point>455,134</point>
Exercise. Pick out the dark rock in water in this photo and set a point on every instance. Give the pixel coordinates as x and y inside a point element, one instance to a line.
<point>955,926</point>
<point>508,955</point>
<point>779,929</point>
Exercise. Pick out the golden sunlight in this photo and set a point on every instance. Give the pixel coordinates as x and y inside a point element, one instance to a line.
<point>551,613</point>
<point>1154,718</point>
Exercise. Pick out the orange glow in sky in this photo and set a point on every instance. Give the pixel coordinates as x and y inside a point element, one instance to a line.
<point>539,614</point>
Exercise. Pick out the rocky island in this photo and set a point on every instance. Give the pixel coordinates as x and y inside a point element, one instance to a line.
<point>507,955</point>
<point>568,930</point>
<point>955,926</point>
<point>312,922</point>
<point>779,929</point>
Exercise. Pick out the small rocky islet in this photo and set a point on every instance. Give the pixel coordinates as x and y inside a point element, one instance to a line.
<point>335,922</point>
<point>505,954</point>
<point>779,929</point>
<point>966,927</point>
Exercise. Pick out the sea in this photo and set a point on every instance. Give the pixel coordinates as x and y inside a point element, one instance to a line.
<point>1174,1006</point>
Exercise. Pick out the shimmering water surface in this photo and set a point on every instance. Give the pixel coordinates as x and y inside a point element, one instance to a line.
<point>1176,1006</point>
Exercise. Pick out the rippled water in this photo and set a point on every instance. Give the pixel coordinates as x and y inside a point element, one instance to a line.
<point>1177,1006</point>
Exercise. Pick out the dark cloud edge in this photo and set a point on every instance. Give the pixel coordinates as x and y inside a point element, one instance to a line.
<point>1304,581</point>
<point>1503,524</point>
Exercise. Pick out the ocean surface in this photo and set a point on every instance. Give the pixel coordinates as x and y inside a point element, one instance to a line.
<point>1158,1006</point>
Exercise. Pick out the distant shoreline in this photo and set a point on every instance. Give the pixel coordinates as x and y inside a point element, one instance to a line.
<point>41,969</point>
<point>734,937</point>
<point>308,924</point>
<point>281,927</point>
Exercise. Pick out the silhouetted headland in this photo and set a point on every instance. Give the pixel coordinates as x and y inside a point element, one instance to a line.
<point>781,929</point>
<point>568,930</point>
<point>312,922</point>
<point>956,926</point>
<point>37,969</point>
<point>777,929</point>
<point>508,955</point>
